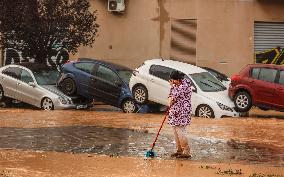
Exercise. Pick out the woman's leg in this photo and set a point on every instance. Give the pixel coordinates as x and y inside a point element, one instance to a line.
<point>183,141</point>
<point>178,145</point>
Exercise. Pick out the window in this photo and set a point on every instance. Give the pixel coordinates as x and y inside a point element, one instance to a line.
<point>46,76</point>
<point>13,72</point>
<point>125,75</point>
<point>161,72</point>
<point>255,73</point>
<point>281,78</point>
<point>267,74</point>
<point>107,74</point>
<point>26,76</point>
<point>207,82</point>
<point>87,67</point>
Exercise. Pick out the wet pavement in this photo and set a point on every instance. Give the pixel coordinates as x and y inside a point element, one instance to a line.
<point>106,131</point>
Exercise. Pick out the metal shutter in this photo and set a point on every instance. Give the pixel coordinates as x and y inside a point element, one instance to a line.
<point>268,35</point>
<point>183,40</point>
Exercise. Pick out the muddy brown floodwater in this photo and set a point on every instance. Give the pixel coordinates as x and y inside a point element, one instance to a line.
<point>106,142</point>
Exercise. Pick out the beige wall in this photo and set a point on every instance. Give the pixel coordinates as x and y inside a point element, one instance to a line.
<point>224,30</point>
<point>128,38</point>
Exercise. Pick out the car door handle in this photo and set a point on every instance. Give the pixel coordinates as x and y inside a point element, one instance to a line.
<point>151,80</point>
<point>251,82</point>
<point>93,79</point>
<point>18,83</point>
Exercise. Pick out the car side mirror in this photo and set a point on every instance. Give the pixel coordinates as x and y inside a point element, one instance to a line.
<point>193,89</point>
<point>118,83</point>
<point>32,84</point>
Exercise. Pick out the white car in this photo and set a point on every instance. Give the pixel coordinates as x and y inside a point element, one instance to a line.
<point>220,76</point>
<point>149,82</point>
<point>34,84</point>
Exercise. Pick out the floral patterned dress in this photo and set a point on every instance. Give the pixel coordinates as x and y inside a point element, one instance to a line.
<point>180,111</point>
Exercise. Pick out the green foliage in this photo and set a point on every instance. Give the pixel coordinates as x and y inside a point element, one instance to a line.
<point>33,26</point>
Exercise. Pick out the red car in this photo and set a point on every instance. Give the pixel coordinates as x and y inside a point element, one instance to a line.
<point>260,85</point>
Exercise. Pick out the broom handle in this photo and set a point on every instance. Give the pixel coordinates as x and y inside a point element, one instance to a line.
<point>160,128</point>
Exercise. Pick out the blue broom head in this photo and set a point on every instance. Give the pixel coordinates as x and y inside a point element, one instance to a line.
<point>151,154</point>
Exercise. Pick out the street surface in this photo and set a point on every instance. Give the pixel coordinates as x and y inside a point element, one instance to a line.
<point>105,142</point>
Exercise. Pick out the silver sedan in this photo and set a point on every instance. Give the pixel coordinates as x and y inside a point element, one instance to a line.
<point>34,84</point>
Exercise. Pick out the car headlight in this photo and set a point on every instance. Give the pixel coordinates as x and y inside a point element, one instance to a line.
<point>224,107</point>
<point>62,100</point>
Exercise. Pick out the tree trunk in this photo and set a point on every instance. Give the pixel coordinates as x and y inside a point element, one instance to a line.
<point>41,57</point>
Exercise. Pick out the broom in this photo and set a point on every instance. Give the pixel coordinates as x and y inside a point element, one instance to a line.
<point>151,153</point>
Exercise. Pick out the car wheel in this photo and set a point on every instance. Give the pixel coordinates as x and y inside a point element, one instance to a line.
<point>68,86</point>
<point>204,111</point>
<point>140,94</point>
<point>47,104</point>
<point>242,101</point>
<point>2,97</point>
<point>129,106</point>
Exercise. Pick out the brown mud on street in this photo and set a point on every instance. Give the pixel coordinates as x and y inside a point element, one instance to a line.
<point>45,164</point>
<point>101,139</point>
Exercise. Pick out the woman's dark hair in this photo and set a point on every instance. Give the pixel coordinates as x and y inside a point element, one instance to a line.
<point>176,75</point>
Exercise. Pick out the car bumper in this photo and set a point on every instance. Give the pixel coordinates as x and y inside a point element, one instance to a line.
<point>222,113</point>
<point>231,92</point>
<point>65,106</point>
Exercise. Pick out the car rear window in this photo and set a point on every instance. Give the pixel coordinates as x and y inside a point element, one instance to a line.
<point>161,72</point>
<point>13,72</point>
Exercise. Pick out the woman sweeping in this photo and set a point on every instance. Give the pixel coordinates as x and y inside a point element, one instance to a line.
<point>180,112</point>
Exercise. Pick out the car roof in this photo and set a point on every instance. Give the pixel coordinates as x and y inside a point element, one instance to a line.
<point>214,70</point>
<point>178,65</point>
<point>33,66</point>
<point>109,64</point>
<point>266,65</point>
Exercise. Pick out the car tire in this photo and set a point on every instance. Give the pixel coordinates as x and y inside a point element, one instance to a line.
<point>68,86</point>
<point>129,106</point>
<point>140,94</point>
<point>2,97</point>
<point>47,104</point>
<point>4,101</point>
<point>242,101</point>
<point>204,111</point>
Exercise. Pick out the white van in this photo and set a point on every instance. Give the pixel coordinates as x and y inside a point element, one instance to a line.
<point>149,83</point>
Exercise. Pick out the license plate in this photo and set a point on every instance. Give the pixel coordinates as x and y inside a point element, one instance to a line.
<point>82,106</point>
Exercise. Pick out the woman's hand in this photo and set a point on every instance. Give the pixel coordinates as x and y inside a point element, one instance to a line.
<point>171,82</point>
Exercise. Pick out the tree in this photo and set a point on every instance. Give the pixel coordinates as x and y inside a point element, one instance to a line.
<point>34,26</point>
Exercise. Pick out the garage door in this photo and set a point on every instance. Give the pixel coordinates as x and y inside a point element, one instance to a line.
<point>268,35</point>
<point>269,42</point>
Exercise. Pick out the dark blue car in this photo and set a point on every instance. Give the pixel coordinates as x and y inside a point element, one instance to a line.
<point>99,80</point>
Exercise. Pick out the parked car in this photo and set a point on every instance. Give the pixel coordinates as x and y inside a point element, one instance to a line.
<point>220,76</point>
<point>34,84</point>
<point>149,82</point>
<point>99,80</point>
<point>260,85</point>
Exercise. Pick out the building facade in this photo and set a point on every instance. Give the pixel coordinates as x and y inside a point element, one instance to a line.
<point>221,34</point>
<point>216,33</point>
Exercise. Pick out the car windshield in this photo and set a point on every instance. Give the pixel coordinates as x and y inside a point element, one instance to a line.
<point>125,75</point>
<point>207,82</point>
<point>46,76</point>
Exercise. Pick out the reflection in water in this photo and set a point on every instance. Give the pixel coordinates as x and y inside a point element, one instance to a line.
<point>122,141</point>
